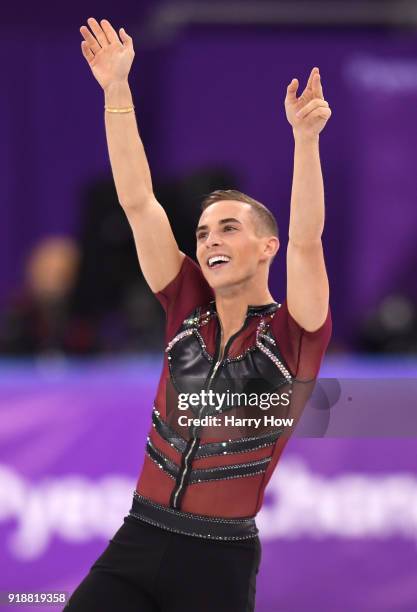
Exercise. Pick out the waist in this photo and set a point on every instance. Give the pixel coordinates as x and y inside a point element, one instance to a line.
<point>214,528</point>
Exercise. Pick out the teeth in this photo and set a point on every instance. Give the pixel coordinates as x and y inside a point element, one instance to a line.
<point>217,258</point>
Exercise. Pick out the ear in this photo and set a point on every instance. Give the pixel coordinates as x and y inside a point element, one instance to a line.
<point>271,247</point>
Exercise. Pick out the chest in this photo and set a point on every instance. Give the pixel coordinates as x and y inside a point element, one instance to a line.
<point>202,356</point>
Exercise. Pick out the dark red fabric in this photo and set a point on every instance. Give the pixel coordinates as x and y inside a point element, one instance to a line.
<point>302,351</point>
<point>183,294</point>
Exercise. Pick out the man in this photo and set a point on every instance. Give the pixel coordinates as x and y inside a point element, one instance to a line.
<point>190,541</point>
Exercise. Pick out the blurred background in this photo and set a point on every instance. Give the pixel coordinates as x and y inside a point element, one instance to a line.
<point>81,335</point>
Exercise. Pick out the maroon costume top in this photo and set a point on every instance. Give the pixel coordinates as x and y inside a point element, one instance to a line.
<point>224,477</point>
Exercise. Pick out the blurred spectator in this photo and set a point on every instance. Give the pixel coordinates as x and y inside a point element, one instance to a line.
<point>90,296</point>
<point>391,328</point>
<point>40,316</point>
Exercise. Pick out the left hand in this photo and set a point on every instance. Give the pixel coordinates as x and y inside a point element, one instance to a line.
<point>309,113</point>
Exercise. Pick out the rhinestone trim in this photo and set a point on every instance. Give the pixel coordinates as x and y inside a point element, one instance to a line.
<point>180,442</point>
<point>189,332</point>
<point>214,519</point>
<point>193,482</point>
<point>236,452</point>
<point>240,357</point>
<point>193,534</point>
<point>178,337</point>
<point>193,475</point>
<point>205,476</point>
<point>270,354</point>
<point>233,467</point>
<point>268,338</point>
<point>166,464</point>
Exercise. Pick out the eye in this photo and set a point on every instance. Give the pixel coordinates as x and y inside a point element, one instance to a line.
<point>229,227</point>
<point>201,235</point>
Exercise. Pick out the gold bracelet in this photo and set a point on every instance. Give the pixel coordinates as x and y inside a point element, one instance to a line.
<point>127,109</point>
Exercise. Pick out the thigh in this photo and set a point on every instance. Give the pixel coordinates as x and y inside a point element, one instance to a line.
<point>211,576</point>
<point>124,576</point>
<point>101,591</point>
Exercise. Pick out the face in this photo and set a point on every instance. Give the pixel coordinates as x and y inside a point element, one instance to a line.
<point>227,229</point>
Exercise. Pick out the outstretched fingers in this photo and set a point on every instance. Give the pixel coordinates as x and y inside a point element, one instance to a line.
<point>110,32</point>
<point>86,51</point>
<point>316,86</point>
<point>98,32</point>
<point>125,38</point>
<point>313,72</point>
<point>309,87</point>
<point>90,40</point>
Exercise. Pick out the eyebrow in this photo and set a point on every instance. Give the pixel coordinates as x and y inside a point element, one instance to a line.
<point>221,222</point>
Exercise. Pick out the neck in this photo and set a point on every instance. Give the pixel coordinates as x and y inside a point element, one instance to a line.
<point>232,306</point>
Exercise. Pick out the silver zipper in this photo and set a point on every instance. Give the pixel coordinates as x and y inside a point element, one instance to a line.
<point>184,471</point>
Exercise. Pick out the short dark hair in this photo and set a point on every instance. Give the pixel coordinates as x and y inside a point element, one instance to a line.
<point>264,219</point>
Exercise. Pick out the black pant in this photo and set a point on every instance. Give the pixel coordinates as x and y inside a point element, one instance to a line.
<point>148,569</point>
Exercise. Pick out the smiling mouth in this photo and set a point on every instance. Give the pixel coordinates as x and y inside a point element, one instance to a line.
<point>218,261</point>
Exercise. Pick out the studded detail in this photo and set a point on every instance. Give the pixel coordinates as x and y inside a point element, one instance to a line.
<point>241,356</point>
<point>213,479</point>
<point>178,337</point>
<point>196,525</point>
<point>275,361</point>
<point>198,517</point>
<point>184,334</point>
<point>268,338</point>
<point>269,353</point>
<point>224,472</point>
<point>183,471</point>
<point>161,460</point>
<point>211,449</point>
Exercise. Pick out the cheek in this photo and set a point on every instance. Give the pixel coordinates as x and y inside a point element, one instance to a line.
<point>247,250</point>
<point>249,256</point>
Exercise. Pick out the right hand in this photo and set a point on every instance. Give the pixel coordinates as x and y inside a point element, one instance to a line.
<point>109,57</point>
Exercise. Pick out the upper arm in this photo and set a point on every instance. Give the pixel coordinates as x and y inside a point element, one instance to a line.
<point>159,256</point>
<point>307,285</point>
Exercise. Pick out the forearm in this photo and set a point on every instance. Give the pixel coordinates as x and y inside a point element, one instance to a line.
<point>129,165</point>
<point>307,196</point>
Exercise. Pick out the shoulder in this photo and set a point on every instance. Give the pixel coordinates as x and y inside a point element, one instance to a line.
<point>184,294</point>
<point>303,350</point>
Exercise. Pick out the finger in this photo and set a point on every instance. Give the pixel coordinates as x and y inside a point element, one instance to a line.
<point>322,113</point>
<point>126,39</point>
<point>89,38</point>
<point>110,32</point>
<point>308,87</point>
<point>98,32</point>
<point>316,103</point>
<point>292,90</point>
<point>314,71</point>
<point>317,88</point>
<point>88,54</point>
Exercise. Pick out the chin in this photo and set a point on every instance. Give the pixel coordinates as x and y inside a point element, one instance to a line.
<point>218,284</point>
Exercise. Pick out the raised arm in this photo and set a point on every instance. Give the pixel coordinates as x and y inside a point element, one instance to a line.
<point>307,282</point>
<point>110,59</point>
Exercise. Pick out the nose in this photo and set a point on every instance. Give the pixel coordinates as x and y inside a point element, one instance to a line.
<point>213,239</point>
